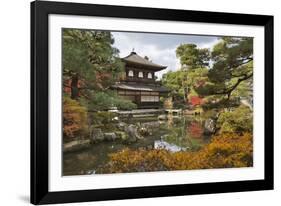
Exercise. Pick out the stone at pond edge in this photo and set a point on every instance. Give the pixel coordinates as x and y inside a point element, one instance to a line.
<point>75,145</point>
<point>122,135</point>
<point>151,125</point>
<point>110,136</point>
<point>132,132</point>
<point>162,117</point>
<point>121,125</point>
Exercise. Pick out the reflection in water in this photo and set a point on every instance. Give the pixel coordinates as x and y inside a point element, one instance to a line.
<point>160,144</point>
<point>195,130</point>
<point>175,134</point>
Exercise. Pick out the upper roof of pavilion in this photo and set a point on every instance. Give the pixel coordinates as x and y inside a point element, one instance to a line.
<point>134,59</point>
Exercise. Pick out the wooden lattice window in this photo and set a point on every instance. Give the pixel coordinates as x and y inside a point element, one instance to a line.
<point>149,98</point>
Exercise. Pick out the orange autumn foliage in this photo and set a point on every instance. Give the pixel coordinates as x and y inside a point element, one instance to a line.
<point>195,100</point>
<point>224,151</point>
<point>74,118</point>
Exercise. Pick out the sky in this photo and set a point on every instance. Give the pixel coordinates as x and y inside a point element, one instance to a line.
<point>160,48</point>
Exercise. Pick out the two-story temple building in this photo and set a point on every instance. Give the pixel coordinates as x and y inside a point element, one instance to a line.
<point>139,83</point>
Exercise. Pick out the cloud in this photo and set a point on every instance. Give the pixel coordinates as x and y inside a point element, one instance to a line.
<point>208,44</point>
<point>160,48</point>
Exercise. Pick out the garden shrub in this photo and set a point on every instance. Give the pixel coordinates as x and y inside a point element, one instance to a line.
<point>103,120</point>
<point>74,118</point>
<point>106,100</point>
<point>224,151</point>
<point>238,120</point>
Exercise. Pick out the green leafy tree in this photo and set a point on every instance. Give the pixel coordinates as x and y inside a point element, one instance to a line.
<point>178,83</point>
<point>89,60</point>
<point>193,68</point>
<point>192,57</point>
<point>182,82</point>
<point>175,81</point>
<point>232,65</point>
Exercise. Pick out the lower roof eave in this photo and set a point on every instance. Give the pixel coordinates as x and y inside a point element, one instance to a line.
<point>136,87</point>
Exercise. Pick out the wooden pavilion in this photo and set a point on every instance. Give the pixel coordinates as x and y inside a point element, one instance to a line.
<point>139,83</point>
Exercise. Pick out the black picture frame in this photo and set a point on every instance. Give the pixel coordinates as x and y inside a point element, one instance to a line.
<point>39,102</point>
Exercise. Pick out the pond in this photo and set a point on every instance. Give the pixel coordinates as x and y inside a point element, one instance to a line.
<point>174,134</point>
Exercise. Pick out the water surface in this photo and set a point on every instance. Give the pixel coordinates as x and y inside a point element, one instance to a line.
<point>175,134</point>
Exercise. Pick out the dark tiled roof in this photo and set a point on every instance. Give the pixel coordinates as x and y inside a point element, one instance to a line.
<point>140,87</point>
<point>136,59</point>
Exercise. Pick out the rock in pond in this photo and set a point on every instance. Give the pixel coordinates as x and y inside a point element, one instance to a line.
<point>145,131</point>
<point>209,126</point>
<point>96,135</point>
<point>147,128</point>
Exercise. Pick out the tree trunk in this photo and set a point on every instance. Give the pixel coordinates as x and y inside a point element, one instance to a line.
<point>186,95</point>
<point>74,86</point>
<point>228,95</point>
